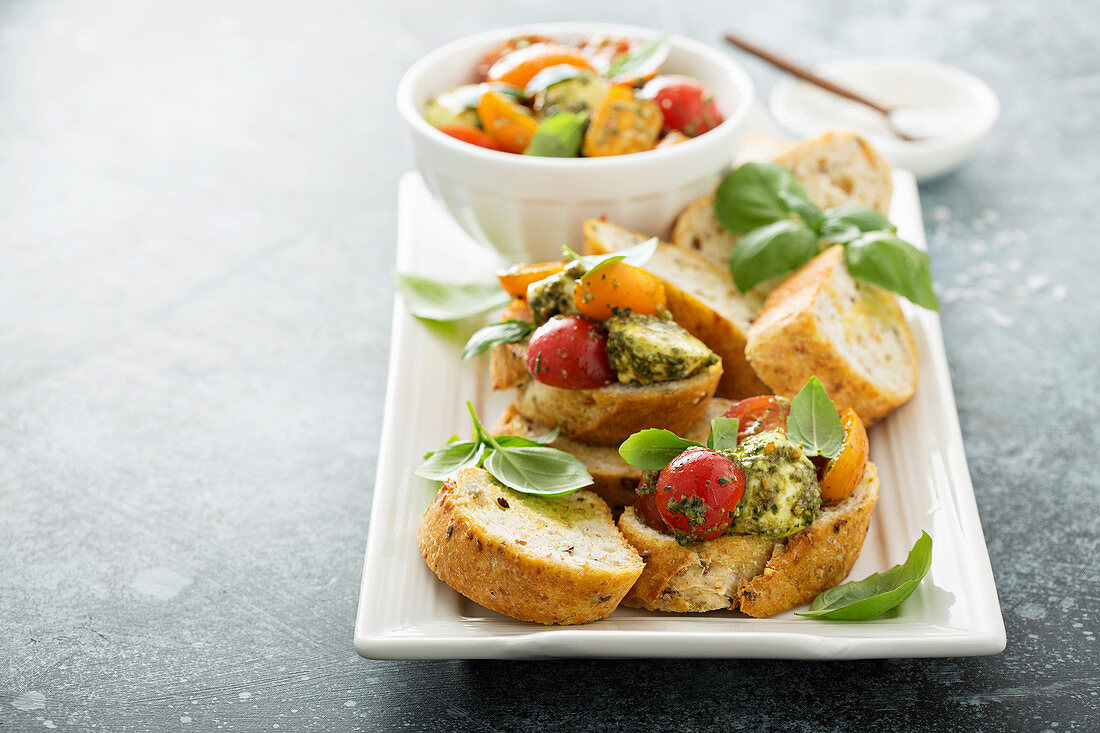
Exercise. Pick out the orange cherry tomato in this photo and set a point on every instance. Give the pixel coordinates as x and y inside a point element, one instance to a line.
<point>618,287</point>
<point>518,67</point>
<point>498,52</point>
<point>471,135</point>
<point>508,123</point>
<point>844,472</point>
<point>515,279</point>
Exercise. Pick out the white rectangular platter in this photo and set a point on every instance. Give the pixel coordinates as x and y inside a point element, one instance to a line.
<point>405,612</point>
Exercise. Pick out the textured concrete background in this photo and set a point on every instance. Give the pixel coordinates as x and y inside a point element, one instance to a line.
<point>197,218</point>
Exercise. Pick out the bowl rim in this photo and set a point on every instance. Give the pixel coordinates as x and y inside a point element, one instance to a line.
<point>987,104</point>
<point>732,122</point>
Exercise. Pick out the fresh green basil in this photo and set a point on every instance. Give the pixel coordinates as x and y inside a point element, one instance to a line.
<point>642,62</point>
<point>437,300</point>
<point>842,224</point>
<point>883,259</point>
<point>863,599</point>
<point>450,460</point>
<point>723,433</point>
<point>559,136</point>
<point>504,332</point>
<point>550,76</point>
<point>770,251</point>
<point>814,423</point>
<point>527,465</point>
<point>755,195</point>
<point>637,255</point>
<point>653,448</point>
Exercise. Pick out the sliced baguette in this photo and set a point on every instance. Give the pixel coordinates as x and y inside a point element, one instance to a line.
<point>613,478</point>
<point>700,298</point>
<point>550,560</point>
<point>760,577</point>
<point>852,335</point>
<point>836,169</point>
<point>609,415</point>
<point>507,367</point>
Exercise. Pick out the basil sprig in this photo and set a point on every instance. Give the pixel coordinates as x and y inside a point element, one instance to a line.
<point>525,465</point>
<point>504,332</point>
<point>437,300</point>
<point>646,60</point>
<point>559,136</point>
<point>863,599</point>
<point>814,423</point>
<point>637,255</point>
<point>782,230</point>
<point>654,448</point>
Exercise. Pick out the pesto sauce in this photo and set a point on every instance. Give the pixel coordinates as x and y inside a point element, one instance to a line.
<point>782,495</point>
<point>554,295</point>
<point>647,349</point>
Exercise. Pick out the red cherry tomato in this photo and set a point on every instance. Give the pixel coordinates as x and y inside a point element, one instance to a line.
<point>646,507</point>
<point>472,135</point>
<point>697,493</point>
<point>687,105</point>
<point>760,413</point>
<point>569,352</point>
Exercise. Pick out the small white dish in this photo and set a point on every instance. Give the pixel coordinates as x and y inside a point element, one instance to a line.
<point>405,612</point>
<point>956,107</point>
<point>527,207</point>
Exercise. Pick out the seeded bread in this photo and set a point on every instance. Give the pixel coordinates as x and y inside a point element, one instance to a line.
<point>837,168</point>
<point>760,577</point>
<point>852,335</point>
<point>701,298</point>
<point>549,560</point>
<point>609,415</point>
<point>614,479</point>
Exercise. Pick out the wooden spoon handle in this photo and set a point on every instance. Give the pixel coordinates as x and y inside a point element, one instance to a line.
<point>796,69</point>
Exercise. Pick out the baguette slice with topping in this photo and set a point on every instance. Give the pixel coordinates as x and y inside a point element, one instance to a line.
<point>550,560</point>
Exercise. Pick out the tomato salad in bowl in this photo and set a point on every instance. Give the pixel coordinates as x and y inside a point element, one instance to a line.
<point>598,95</point>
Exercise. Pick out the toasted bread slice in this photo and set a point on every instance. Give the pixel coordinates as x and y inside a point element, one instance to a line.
<point>700,298</point>
<point>840,168</point>
<point>852,335</point>
<point>550,560</point>
<point>760,577</point>
<point>613,478</point>
<point>609,415</point>
<point>836,169</point>
<point>507,367</point>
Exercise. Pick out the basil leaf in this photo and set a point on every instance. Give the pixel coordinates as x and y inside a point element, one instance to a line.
<point>845,223</point>
<point>537,470</point>
<point>559,136</point>
<point>550,76</point>
<point>772,250</point>
<point>508,441</point>
<point>637,255</point>
<point>653,449</point>
<point>814,422</point>
<point>436,300</point>
<point>642,62</point>
<point>445,463</point>
<point>807,210</point>
<point>877,593</point>
<point>892,263</point>
<point>723,433</point>
<point>505,332</point>
<point>756,194</point>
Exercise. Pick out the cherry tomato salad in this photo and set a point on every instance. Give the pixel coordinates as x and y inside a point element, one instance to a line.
<point>595,97</point>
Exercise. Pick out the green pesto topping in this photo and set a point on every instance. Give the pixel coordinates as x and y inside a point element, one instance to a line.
<point>554,295</point>
<point>782,496</point>
<point>693,508</point>
<point>647,349</point>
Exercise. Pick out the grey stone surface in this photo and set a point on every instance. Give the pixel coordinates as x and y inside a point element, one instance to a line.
<point>197,220</point>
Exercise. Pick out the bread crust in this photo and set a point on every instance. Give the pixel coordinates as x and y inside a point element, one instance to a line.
<point>760,577</point>
<point>609,415</point>
<point>500,573</point>
<point>507,365</point>
<point>789,343</point>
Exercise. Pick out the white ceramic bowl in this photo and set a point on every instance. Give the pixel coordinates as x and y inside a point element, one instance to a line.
<point>965,105</point>
<point>527,207</point>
